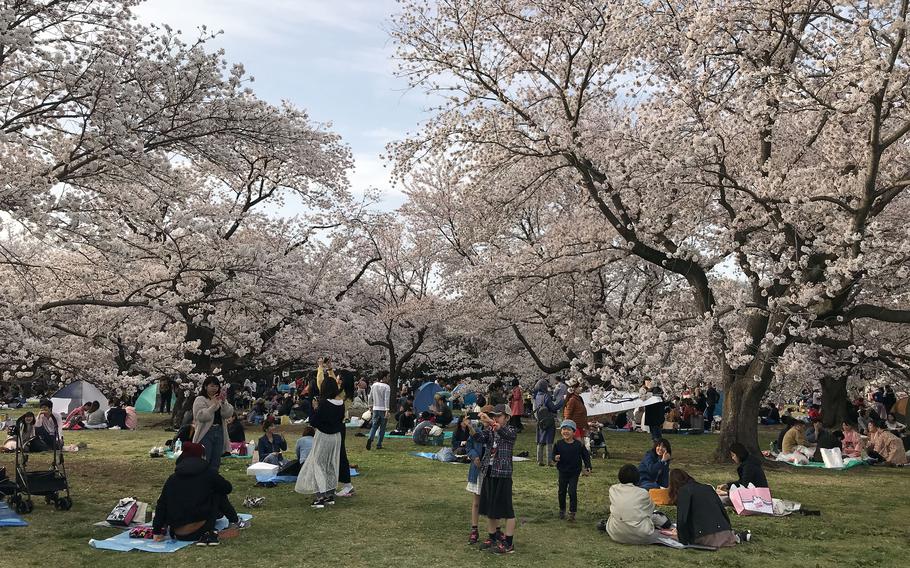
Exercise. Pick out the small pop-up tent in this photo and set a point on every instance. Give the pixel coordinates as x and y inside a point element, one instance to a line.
<point>423,399</point>
<point>148,400</point>
<point>76,394</point>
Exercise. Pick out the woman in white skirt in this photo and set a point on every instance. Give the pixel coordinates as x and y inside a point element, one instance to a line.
<point>319,473</point>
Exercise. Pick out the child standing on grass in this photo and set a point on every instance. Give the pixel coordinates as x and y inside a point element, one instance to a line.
<point>474,452</point>
<point>569,455</point>
<point>496,478</point>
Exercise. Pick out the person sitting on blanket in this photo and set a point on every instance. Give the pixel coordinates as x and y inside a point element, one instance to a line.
<point>22,435</point>
<point>884,447</point>
<point>700,515</point>
<point>236,433</point>
<point>631,509</point>
<point>192,499</point>
<point>257,413</point>
<point>794,447</point>
<point>75,420</point>
<point>304,444</point>
<point>422,430</point>
<point>441,411</point>
<point>772,417</point>
<point>116,416</point>
<point>749,469</point>
<point>654,469</point>
<point>96,417</point>
<point>852,444</point>
<point>824,440</point>
<point>405,422</point>
<point>271,445</point>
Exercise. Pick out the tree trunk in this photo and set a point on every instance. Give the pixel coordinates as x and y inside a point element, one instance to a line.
<point>740,419</point>
<point>834,401</point>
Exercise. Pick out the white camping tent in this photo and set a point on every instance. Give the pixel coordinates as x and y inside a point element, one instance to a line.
<point>76,394</point>
<point>615,401</point>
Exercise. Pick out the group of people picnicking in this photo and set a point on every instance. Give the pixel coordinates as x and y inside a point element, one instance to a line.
<point>195,495</point>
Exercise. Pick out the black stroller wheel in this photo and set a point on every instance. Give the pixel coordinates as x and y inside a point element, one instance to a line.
<point>65,504</point>
<point>29,506</point>
<point>21,507</point>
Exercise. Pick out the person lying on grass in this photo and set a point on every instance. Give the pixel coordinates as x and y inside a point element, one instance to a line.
<point>192,499</point>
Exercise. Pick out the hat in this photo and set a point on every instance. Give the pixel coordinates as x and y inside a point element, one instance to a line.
<point>499,410</point>
<point>46,402</point>
<point>191,450</point>
<point>568,424</point>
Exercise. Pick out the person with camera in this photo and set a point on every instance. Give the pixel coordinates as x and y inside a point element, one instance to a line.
<point>498,439</point>
<point>210,413</point>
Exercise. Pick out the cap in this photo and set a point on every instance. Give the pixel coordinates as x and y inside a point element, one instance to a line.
<point>568,424</point>
<point>500,409</point>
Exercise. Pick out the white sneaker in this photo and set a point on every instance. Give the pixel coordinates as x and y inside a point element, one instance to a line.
<point>345,491</point>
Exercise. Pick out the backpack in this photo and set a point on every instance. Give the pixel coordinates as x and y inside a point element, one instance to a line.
<point>545,418</point>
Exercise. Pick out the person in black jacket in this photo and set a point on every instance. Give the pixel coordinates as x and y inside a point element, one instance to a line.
<point>192,499</point>
<point>749,468</point>
<point>700,516</point>
<point>569,454</point>
<point>824,439</point>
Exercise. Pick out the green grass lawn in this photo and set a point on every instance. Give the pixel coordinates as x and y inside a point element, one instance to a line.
<point>415,512</point>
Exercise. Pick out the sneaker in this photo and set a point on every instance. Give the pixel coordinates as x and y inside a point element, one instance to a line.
<point>503,548</point>
<point>602,525</point>
<point>329,500</point>
<point>318,503</point>
<point>743,536</point>
<point>346,490</point>
<point>369,445</point>
<point>350,493</point>
<point>243,525</point>
<point>500,536</point>
<point>562,515</point>
<point>488,544</point>
<point>475,536</point>
<point>571,517</point>
<point>208,539</point>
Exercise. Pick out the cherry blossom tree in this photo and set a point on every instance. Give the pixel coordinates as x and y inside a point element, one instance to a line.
<point>739,140</point>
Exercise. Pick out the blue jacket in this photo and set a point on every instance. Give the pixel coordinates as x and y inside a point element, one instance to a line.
<point>653,469</point>
<point>475,450</point>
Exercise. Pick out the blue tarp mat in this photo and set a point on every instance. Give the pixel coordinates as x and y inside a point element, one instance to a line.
<point>123,543</point>
<point>8,518</point>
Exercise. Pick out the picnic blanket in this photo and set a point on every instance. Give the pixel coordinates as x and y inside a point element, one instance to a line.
<point>849,464</point>
<point>123,543</point>
<point>9,518</point>
<point>432,456</point>
<point>289,478</point>
<point>170,455</point>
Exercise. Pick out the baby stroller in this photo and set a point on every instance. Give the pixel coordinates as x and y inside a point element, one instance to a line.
<point>597,440</point>
<point>50,483</point>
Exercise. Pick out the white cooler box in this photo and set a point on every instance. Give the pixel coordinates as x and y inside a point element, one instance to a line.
<point>262,468</point>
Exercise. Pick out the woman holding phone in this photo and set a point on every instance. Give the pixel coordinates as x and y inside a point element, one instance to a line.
<point>210,413</point>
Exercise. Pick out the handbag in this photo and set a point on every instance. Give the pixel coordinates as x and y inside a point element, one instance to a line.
<point>751,500</point>
<point>832,457</point>
<point>660,496</point>
<point>123,512</point>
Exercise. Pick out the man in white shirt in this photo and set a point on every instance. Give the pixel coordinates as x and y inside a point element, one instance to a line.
<point>379,402</point>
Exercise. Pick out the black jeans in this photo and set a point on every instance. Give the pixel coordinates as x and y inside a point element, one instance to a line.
<point>222,508</point>
<point>568,483</point>
<point>166,402</point>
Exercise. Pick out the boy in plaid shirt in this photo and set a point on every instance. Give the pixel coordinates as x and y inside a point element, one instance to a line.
<point>496,476</point>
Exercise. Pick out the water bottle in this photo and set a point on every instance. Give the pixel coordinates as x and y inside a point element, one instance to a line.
<point>178,447</point>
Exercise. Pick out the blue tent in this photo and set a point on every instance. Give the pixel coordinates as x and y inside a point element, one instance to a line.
<point>423,399</point>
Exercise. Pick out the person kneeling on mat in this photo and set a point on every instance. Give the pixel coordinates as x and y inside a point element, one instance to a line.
<point>192,499</point>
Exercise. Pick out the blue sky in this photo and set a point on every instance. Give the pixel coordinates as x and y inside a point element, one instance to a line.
<point>330,57</point>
